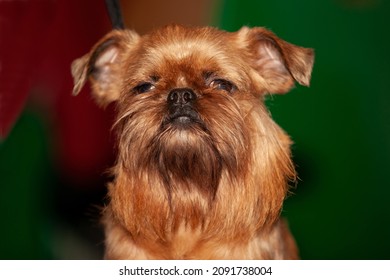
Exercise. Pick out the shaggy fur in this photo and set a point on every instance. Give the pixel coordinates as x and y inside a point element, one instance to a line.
<point>202,170</point>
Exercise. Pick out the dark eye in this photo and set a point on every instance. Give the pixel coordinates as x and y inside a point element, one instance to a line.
<point>144,87</point>
<point>221,84</point>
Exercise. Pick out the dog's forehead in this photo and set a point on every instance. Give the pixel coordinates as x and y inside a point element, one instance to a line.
<point>197,47</point>
<point>179,47</point>
<point>184,40</point>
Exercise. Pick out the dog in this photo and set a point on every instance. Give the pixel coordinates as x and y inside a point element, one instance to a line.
<point>202,169</point>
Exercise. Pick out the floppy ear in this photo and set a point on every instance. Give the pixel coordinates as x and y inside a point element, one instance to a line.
<point>278,62</point>
<point>102,65</point>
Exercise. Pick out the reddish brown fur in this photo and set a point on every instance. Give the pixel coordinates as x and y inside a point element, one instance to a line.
<point>215,188</point>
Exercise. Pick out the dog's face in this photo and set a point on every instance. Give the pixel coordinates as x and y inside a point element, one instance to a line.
<point>190,103</point>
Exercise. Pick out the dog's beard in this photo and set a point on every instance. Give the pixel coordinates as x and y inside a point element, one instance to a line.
<point>186,157</point>
<point>187,150</point>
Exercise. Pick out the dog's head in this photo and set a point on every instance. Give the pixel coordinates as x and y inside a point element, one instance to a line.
<point>190,101</point>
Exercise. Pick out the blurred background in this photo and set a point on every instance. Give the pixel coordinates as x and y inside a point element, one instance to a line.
<point>54,148</point>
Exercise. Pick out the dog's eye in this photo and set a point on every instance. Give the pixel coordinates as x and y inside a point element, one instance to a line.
<point>221,84</point>
<point>144,87</point>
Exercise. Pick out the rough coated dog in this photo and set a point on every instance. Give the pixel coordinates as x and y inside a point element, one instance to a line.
<point>202,170</point>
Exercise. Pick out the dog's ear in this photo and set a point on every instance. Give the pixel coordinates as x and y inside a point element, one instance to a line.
<point>102,65</point>
<point>278,62</point>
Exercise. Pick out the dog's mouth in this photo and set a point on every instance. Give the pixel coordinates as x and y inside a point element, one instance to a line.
<point>182,117</point>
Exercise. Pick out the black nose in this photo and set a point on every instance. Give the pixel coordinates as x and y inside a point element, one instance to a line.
<point>181,96</point>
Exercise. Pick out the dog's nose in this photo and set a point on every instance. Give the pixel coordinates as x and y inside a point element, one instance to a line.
<point>181,96</point>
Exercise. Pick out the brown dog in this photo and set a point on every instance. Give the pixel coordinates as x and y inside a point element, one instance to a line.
<point>202,170</point>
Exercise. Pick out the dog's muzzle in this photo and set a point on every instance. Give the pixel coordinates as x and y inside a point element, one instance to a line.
<point>181,106</point>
